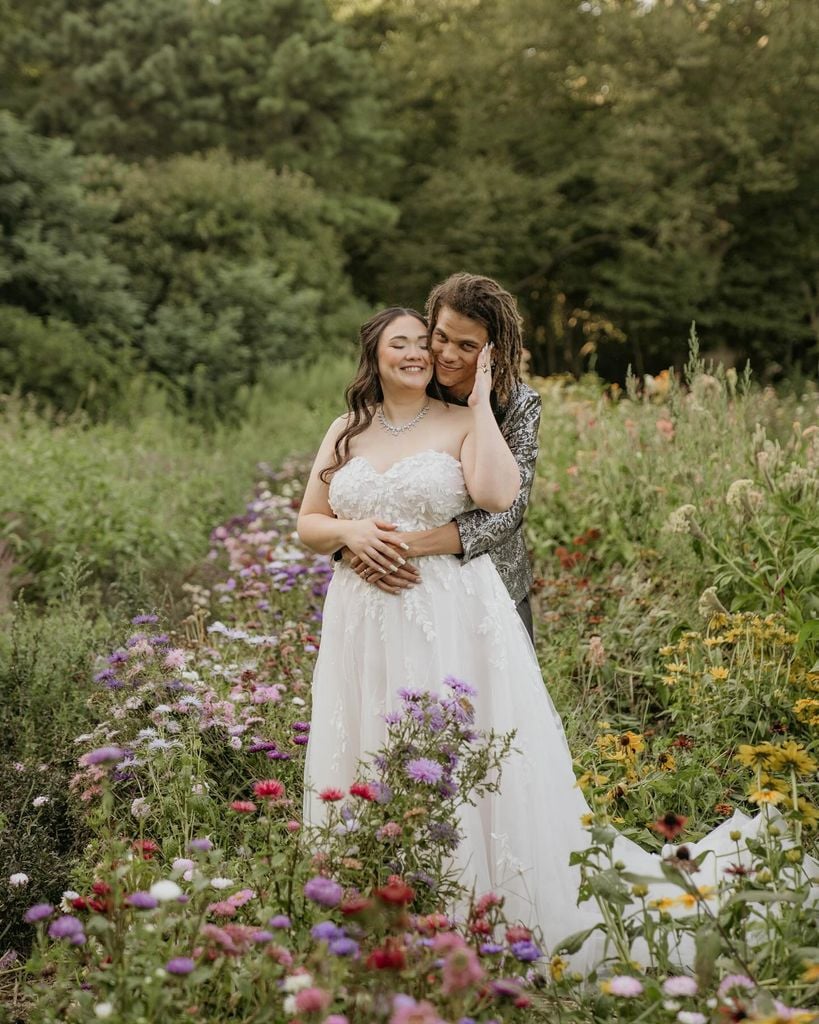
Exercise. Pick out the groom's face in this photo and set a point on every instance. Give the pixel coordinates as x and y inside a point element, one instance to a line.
<point>456,344</point>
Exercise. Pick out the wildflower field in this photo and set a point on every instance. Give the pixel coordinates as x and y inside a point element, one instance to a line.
<point>161,626</point>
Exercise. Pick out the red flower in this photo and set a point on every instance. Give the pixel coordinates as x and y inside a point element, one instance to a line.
<point>389,957</point>
<point>355,905</point>
<point>146,847</point>
<point>683,742</point>
<point>518,933</point>
<point>243,806</point>
<point>480,927</point>
<point>330,795</point>
<point>269,789</point>
<point>522,1002</point>
<point>364,790</point>
<point>79,903</point>
<point>101,888</point>
<point>396,892</point>
<point>670,825</point>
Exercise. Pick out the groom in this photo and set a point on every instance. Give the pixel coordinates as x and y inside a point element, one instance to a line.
<point>465,312</point>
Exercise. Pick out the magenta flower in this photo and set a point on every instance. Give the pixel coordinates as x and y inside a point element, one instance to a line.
<point>424,769</point>
<point>180,965</point>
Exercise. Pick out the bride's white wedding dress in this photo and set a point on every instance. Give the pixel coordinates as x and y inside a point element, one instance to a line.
<point>460,621</point>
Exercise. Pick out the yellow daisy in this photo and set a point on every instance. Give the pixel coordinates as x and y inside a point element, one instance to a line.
<point>792,756</point>
<point>758,756</point>
<point>766,796</point>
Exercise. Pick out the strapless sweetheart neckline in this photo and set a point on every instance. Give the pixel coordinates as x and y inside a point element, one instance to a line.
<point>405,458</point>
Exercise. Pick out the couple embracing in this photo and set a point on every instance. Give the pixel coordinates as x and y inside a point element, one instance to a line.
<point>420,491</point>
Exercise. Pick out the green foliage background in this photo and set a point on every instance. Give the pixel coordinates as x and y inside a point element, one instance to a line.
<point>194,192</point>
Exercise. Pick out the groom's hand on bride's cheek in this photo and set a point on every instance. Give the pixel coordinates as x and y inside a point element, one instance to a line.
<point>404,578</point>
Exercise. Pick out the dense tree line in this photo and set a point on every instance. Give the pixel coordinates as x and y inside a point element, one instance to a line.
<point>242,179</point>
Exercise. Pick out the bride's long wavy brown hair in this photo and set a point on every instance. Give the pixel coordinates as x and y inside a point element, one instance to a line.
<point>365,393</point>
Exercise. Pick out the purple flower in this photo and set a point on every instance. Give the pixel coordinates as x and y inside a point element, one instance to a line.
<point>411,695</point>
<point>200,845</point>
<point>459,686</point>
<point>393,717</point>
<point>144,620</point>
<point>142,901</point>
<point>323,891</point>
<point>445,834</point>
<point>424,769</point>
<point>324,931</point>
<point>301,727</point>
<point>279,921</point>
<point>526,951</point>
<point>65,927</point>
<point>263,936</point>
<point>38,912</point>
<point>107,675</point>
<point>491,948</point>
<point>343,947</point>
<point>102,755</point>
<point>301,739</point>
<point>180,965</point>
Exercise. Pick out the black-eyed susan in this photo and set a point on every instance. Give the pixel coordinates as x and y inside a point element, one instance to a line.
<point>791,756</point>
<point>807,813</point>
<point>758,756</point>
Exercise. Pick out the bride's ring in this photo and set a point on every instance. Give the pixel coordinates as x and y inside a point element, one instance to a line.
<point>485,369</point>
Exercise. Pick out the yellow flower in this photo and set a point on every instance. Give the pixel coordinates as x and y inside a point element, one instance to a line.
<point>666,762</point>
<point>591,779</point>
<point>557,968</point>
<point>686,900</point>
<point>755,757</point>
<point>807,813</point>
<point>586,820</point>
<point>666,651</point>
<point>718,673</point>
<point>793,757</point>
<point>766,796</point>
<point>811,972</point>
<point>666,903</point>
<point>676,667</point>
<point>705,892</point>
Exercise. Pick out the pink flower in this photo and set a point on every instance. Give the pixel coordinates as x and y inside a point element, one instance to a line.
<point>238,899</point>
<point>461,969</point>
<point>175,658</point>
<point>681,985</point>
<point>624,985</point>
<point>407,1011</point>
<point>269,789</point>
<point>312,1000</point>
<point>223,908</point>
<point>243,806</point>
<point>331,795</point>
<point>733,981</point>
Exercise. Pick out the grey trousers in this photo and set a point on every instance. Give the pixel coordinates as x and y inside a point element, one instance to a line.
<point>525,612</point>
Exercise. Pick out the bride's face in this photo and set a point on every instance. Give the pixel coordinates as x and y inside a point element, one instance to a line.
<point>404,356</point>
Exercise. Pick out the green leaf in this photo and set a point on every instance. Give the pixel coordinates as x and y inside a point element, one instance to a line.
<point>707,948</point>
<point>572,943</point>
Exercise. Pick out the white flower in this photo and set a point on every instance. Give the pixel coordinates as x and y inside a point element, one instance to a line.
<point>165,890</point>
<point>691,1017</point>
<point>297,701</point>
<point>18,879</point>
<point>289,1005</point>
<point>65,901</point>
<point>221,883</point>
<point>183,864</point>
<point>140,808</point>
<point>103,1010</point>
<point>297,982</point>
<point>680,519</point>
<point>40,801</point>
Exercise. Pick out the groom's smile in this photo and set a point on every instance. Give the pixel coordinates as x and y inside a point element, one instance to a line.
<point>456,344</point>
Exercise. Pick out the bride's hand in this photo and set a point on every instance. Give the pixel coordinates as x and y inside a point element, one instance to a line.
<point>482,388</point>
<point>375,543</point>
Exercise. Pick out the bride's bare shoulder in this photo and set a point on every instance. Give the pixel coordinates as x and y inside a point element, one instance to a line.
<point>455,413</point>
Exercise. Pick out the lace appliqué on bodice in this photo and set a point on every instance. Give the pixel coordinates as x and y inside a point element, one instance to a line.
<point>419,492</point>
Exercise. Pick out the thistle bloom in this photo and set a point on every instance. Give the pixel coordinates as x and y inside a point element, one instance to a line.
<point>461,970</point>
<point>38,912</point>
<point>18,879</point>
<point>624,985</point>
<point>165,890</point>
<point>680,986</point>
<point>279,921</point>
<point>102,755</point>
<point>424,769</point>
<point>202,845</point>
<point>525,951</point>
<point>324,891</point>
<point>312,1000</point>
<point>180,965</point>
<point>344,946</point>
<point>330,795</point>
<point>142,901</point>
<point>66,927</point>
<point>734,981</point>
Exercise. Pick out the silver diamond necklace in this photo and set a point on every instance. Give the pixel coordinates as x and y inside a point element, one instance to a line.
<point>393,429</point>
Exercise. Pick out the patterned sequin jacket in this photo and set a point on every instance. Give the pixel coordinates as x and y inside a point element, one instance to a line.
<point>500,534</point>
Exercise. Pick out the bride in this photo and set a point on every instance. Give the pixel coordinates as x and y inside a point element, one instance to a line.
<point>401,461</point>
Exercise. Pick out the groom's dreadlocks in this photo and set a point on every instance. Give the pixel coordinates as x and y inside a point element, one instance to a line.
<point>484,300</point>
